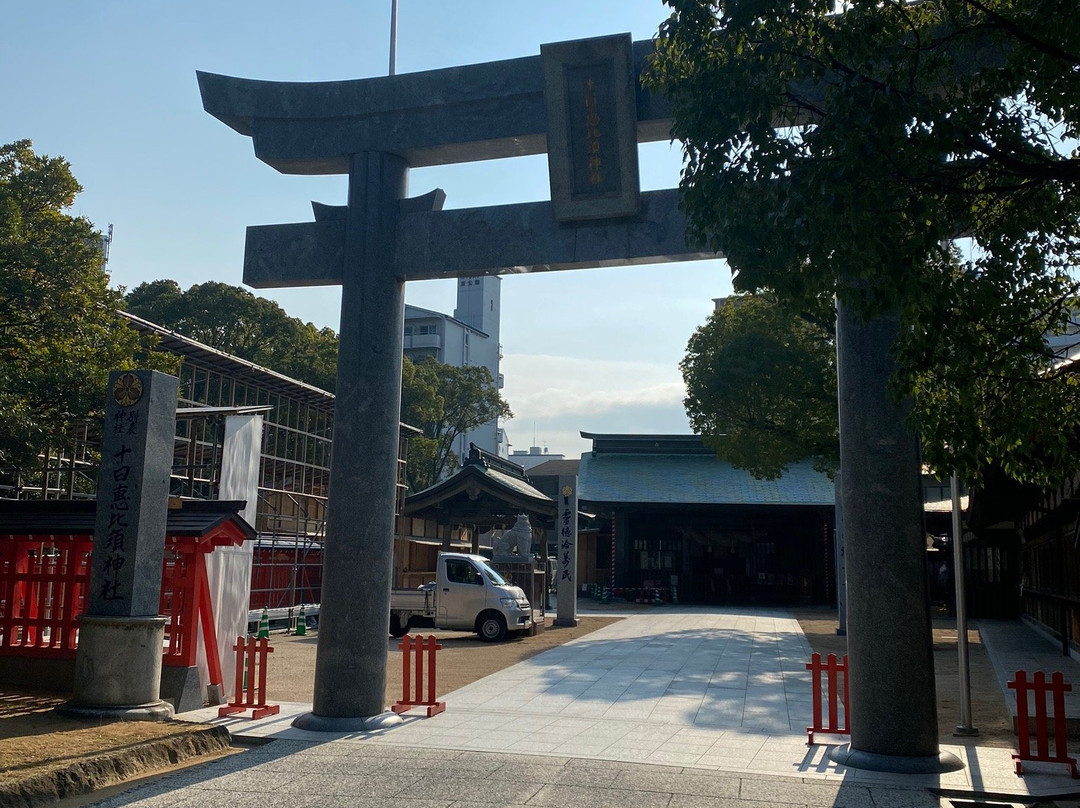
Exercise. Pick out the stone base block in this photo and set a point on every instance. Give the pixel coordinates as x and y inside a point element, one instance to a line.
<point>215,694</point>
<point>180,687</point>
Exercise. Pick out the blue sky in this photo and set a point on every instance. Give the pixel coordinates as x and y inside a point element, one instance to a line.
<point>111,86</point>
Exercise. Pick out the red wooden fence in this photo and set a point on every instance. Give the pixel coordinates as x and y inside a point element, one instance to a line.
<point>419,644</point>
<point>42,590</point>
<point>833,669</point>
<point>1056,689</point>
<point>43,586</point>
<point>250,668</point>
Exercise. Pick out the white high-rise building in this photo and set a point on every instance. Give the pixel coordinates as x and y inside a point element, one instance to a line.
<point>470,337</point>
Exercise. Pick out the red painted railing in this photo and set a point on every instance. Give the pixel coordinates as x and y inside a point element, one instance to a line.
<point>43,587</point>
<point>418,644</point>
<point>833,694</point>
<point>1056,689</point>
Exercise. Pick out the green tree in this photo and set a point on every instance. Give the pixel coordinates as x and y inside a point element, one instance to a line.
<point>235,321</point>
<point>59,331</point>
<point>444,402</point>
<point>842,155</point>
<point>761,387</point>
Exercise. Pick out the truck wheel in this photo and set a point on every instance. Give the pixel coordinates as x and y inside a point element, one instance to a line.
<point>396,629</point>
<point>491,627</point>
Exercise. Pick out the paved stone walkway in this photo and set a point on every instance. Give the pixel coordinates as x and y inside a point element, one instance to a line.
<point>673,707</point>
<point>298,774</point>
<point>1013,646</point>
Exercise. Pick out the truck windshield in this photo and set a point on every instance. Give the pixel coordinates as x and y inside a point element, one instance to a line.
<point>492,575</point>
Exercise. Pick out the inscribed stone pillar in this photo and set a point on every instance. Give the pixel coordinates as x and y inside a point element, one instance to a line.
<point>892,691</point>
<point>118,663</point>
<point>567,532</point>
<point>350,667</point>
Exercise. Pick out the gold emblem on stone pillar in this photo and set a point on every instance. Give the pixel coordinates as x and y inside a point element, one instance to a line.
<point>127,389</point>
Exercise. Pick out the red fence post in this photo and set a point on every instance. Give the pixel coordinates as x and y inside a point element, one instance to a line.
<point>432,648</point>
<point>833,669</point>
<point>1039,688</point>
<point>419,644</point>
<point>406,646</point>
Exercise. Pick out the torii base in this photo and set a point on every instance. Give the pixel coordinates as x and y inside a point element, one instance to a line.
<point>897,764</point>
<point>325,723</point>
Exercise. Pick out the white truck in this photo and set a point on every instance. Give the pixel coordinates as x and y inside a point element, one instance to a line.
<point>468,595</point>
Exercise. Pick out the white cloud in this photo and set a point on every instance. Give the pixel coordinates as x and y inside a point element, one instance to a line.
<point>554,398</point>
<point>551,386</point>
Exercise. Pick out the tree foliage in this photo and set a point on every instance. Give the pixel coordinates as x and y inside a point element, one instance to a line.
<point>444,402</point>
<point>59,331</point>
<point>844,154</point>
<point>761,387</point>
<point>235,321</point>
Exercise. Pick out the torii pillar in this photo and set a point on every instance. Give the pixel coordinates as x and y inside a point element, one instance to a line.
<point>358,556</point>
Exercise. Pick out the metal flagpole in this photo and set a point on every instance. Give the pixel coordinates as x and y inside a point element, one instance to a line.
<point>393,36</point>
<point>964,728</point>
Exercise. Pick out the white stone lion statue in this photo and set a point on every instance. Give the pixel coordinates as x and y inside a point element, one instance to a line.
<point>515,541</point>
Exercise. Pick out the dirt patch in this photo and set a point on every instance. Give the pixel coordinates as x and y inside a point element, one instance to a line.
<point>46,756</point>
<point>989,713</point>
<point>464,658</point>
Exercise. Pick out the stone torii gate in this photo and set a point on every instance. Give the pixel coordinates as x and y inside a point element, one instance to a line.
<point>582,103</point>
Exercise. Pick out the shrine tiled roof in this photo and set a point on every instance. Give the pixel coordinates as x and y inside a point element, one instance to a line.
<point>695,479</point>
<point>76,517</point>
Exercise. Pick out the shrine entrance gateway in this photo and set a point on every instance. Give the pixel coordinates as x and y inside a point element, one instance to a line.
<point>582,103</point>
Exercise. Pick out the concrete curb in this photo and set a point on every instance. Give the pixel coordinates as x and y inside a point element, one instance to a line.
<point>90,775</point>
